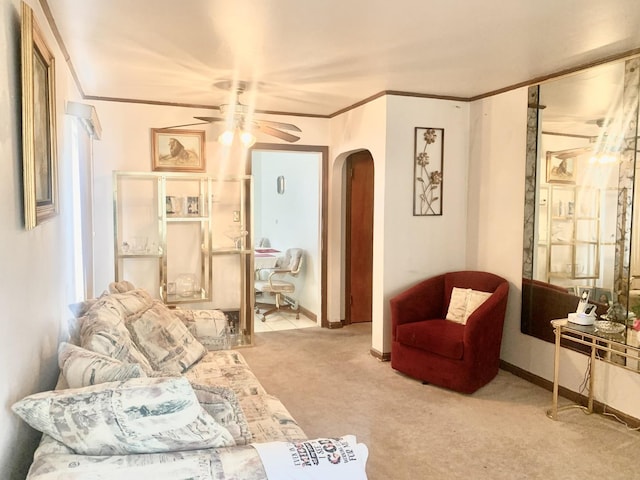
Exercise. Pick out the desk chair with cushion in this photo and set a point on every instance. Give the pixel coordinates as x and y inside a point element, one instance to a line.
<point>288,265</point>
<point>447,330</point>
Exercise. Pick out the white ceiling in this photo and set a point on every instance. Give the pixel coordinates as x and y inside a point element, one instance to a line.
<point>318,57</point>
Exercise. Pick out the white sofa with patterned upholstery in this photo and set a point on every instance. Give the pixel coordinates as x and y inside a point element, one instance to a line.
<point>149,392</point>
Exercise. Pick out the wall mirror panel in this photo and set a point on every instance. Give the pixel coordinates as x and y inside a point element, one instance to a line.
<point>582,143</point>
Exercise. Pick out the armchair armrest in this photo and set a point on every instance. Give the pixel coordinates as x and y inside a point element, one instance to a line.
<point>210,327</point>
<point>483,331</point>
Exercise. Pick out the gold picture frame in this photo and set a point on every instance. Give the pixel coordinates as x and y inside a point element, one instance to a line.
<point>175,150</point>
<point>39,156</point>
<point>561,168</point>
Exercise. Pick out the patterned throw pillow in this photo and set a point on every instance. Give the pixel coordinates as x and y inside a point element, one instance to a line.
<point>222,404</point>
<point>103,331</point>
<point>208,326</point>
<point>164,339</point>
<point>81,308</point>
<point>140,415</point>
<point>121,286</point>
<point>81,367</point>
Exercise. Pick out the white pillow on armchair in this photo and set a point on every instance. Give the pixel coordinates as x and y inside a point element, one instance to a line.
<point>464,301</point>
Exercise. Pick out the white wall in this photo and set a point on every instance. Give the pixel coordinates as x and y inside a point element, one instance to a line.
<point>36,282</point>
<point>406,248</point>
<point>291,219</point>
<point>363,128</point>
<point>494,233</point>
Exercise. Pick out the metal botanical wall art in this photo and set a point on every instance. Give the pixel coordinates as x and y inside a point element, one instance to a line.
<point>428,165</point>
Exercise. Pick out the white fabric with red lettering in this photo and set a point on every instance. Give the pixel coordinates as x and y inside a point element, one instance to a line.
<point>319,459</point>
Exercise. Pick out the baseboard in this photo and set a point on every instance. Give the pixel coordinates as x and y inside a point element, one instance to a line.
<point>308,313</point>
<point>575,397</point>
<point>383,357</point>
<point>331,324</point>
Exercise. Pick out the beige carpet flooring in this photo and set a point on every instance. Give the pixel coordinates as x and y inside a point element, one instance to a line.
<point>332,386</point>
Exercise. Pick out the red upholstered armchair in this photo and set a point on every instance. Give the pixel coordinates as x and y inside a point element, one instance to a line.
<point>430,348</point>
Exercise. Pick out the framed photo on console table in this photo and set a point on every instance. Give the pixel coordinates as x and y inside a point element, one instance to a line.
<point>39,151</point>
<point>175,150</point>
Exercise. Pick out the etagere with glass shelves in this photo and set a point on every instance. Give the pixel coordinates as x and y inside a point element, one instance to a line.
<point>186,238</point>
<point>569,238</point>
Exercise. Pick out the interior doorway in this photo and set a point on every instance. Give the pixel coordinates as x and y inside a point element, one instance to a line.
<point>289,209</point>
<point>359,237</point>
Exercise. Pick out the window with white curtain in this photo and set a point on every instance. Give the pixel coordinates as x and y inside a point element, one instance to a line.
<point>82,205</point>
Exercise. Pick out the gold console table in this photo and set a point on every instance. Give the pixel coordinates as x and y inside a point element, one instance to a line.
<point>621,349</point>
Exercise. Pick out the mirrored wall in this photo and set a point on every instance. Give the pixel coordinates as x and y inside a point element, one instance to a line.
<point>582,143</point>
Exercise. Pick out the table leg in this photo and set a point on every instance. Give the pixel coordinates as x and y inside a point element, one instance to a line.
<point>556,373</point>
<point>591,370</point>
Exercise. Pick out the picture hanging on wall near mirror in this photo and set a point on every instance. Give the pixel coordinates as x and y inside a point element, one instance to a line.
<point>561,168</point>
<point>428,169</point>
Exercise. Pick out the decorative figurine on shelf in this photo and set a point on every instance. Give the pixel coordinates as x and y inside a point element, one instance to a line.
<point>236,233</point>
<point>186,285</point>
<point>616,313</point>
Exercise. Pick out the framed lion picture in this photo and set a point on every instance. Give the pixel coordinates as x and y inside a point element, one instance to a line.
<point>175,150</point>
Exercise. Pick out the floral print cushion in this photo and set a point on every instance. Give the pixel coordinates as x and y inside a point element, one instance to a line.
<point>140,415</point>
<point>102,330</point>
<point>226,368</point>
<point>208,326</point>
<point>222,404</point>
<point>269,420</point>
<point>121,287</point>
<point>82,367</point>
<point>236,463</point>
<point>164,339</point>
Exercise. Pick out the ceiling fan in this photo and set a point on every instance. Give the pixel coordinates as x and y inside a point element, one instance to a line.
<point>238,114</point>
<point>599,147</point>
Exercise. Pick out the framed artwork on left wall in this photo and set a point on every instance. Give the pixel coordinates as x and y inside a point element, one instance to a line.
<point>39,152</point>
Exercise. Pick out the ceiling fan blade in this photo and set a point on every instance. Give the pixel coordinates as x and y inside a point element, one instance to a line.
<point>572,152</point>
<point>277,133</point>
<point>286,126</point>
<point>184,125</point>
<point>209,119</point>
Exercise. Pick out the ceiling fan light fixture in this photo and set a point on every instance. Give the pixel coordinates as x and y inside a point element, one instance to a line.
<point>247,138</point>
<point>226,138</point>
